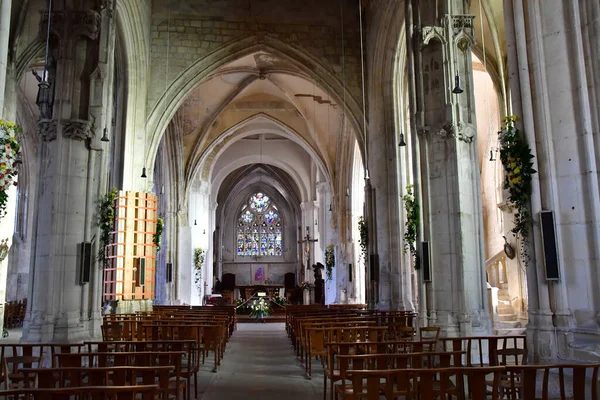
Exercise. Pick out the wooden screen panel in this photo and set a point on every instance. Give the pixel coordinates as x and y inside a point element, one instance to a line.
<point>132,239</point>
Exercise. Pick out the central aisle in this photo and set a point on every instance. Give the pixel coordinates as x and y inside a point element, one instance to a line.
<point>260,363</point>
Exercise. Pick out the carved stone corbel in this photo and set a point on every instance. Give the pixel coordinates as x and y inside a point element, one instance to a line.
<point>47,129</point>
<point>446,131</point>
<point>466,132</point>
<point>87,24</point>
<point>77,129</point>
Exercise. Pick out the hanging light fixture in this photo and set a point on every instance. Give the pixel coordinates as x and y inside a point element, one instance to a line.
<point>195,223</point>
<point>492,157</point>
<point>330,209</point>
<point>402,142</point>
<point>44,84</point>
<point>204,231</point>
<point>457,89</point>
<point>144,173</point>
<point>105,135</point>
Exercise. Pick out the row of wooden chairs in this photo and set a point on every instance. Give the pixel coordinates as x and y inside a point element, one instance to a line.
<point>14,313</point>
<point>140,392</point>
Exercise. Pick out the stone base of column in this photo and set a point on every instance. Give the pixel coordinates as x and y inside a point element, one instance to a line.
<point>67,328</point>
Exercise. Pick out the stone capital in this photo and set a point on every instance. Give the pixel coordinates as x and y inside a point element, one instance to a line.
<point>81,24</point>
<point>462,30</point>
<point>466,132</point>
<point>77,129</point>
<point>47,129</point>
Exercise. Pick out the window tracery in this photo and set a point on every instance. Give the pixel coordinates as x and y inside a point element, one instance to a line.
<point>260,229</point>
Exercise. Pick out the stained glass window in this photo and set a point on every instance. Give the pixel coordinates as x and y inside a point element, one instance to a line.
<point>259,230</point>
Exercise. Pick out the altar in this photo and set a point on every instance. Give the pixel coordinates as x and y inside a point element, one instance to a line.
<point>272,291</point>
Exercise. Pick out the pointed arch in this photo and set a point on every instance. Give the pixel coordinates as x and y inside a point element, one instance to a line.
<point>183,85</point>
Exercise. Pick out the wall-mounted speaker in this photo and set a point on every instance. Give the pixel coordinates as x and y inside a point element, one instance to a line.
<point>426,261</point>
<point>169,272</point>
<point>140,272</point>
<point>85,263</point>
<point>350,270</point>
<point>549,244</point>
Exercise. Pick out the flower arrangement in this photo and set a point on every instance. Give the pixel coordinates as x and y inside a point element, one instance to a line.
<point>364,238</point>
<point>517,161</point>
<point>306,285</point>
<point>329,261</point>
<point>412,223</point>
<point>280,301</point>
<point>241,306</point>
<point>260,309</point>
<point>10,151</point>
<point>106,222</point>
<point>158,234</point>
<point>199,255</point>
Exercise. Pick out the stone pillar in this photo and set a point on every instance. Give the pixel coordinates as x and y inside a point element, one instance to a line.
<point>73,117</point>
<point>308,227</point>
<point>453,215</point>
<point>5,6</point>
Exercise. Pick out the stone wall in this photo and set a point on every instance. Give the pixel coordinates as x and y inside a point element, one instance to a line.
<point>188,32</point>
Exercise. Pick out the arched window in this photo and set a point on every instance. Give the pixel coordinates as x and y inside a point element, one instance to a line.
<point>260,231</point>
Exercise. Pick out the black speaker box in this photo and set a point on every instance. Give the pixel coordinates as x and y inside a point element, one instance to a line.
<point>169,272</point>
<point>426,261</point>
<point>85,264</point>
<point>549,244</point>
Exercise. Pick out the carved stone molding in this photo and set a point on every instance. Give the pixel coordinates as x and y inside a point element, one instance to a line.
<point>433,32</point>
<point>84,23</point>
<point>446,131</point>
<point>47,129</point>
<point>462,30</point>
<point>466,132</point>
<point>77,129</point>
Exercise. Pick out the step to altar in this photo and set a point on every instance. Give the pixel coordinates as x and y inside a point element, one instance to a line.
<point>270,318</point>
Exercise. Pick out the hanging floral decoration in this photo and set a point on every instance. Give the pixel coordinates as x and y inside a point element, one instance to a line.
<point>199,255</point>
<point>160,227</point>
<point>10,152</point>
<point>306,285</point>
<point>411,205</point>
<point>329,261</point>
<point>517,161</point>
<point>106,222</point>
<point>363,240</point>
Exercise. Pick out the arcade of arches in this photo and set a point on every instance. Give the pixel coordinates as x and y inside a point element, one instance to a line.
<point>267,128</point>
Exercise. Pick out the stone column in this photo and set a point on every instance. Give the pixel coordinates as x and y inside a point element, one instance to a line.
<point>5,6</point>
<point>74,111</point>
<point>448,144</point>
<point>308,227</point>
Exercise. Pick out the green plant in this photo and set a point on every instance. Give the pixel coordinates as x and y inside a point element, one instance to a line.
<point>329,261</point>
<point>364,238</point>
<point>260,309</point>
<point>158,234</point>
<point>199,255</point>
<point>411,205</point>
<point>10,151</point>
<point>517,161</point>
<point>106,222</point>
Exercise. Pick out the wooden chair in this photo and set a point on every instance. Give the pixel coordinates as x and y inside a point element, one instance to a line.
<point>584,382</point>
<point>141,392</point>
<point>13,377</point>
<point>112,332</point>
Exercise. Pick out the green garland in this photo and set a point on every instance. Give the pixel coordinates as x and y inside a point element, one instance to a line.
<point>158,234</point>
<point>411,205</point>
<point>198,262</point>
<point>10,151</point>
<point>106,222</point>
<point>364,237</point>
<point>329,261</point>
<point>517,161</point>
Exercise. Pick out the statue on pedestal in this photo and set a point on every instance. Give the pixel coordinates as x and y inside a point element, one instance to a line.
<point>319,283</point>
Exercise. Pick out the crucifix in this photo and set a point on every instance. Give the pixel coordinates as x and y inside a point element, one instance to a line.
<point>307,241</point>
